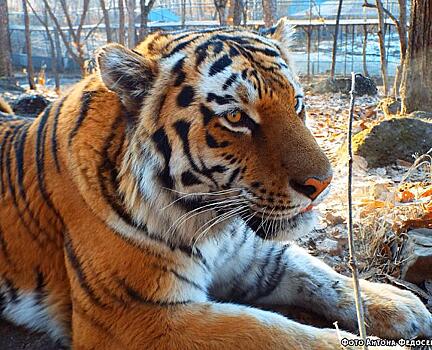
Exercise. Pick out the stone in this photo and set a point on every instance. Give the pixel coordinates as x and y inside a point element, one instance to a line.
<point>397,138</point>
<point>390,106</point>
<point>417,256</point>
<point>329,246</point>
<point>364,86</point>
<point>30,105</point>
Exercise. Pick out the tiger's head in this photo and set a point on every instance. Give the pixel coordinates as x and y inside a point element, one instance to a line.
<point>217,132</point>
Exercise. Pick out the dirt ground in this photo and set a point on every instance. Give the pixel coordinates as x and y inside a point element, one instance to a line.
<point>17,338</point>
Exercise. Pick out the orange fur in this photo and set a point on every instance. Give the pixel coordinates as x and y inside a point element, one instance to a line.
<point>70,209</point>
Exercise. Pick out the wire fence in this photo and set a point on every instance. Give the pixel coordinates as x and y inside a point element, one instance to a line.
<point>313,18</point>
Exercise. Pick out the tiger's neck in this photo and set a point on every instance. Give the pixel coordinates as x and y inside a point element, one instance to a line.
<point>118,175</point>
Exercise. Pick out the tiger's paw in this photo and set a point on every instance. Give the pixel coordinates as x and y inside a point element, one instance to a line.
<point>393,313</point>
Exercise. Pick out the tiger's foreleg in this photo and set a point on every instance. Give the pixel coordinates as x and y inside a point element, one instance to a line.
<point>273,274</point>
<point>204,326</point>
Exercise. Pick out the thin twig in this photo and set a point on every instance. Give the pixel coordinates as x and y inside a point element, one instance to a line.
<point>352,259</point>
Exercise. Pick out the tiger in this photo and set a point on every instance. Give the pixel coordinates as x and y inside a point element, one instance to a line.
<point>157,201</point>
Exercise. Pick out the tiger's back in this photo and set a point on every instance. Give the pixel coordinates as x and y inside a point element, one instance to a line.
<point>34,288</point>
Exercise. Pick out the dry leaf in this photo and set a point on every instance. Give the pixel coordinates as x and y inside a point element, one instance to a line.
<point>406,196</point>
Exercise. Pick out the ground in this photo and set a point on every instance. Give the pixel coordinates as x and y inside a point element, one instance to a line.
<point>379,208</point>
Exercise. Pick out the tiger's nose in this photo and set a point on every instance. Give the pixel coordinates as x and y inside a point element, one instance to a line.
<point>312,187</point>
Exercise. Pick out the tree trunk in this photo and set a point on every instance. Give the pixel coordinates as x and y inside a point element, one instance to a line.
<point>54,61</point>
<point>401,27</point>
<point>183,13</point>
<point>364,50</point>
<point>244,11</point>
<point>269,12</point>
<point>416,88</point>
<point>145,11</point>
<point>30,72</point>
<point>335,39</point>
<point>105,14</point>
<point>143,24</point>
<point>131,4</point>
<point>381,37</point>
<point>121,35</point>
<point>5,52</point>
<point>59,52</point>
<point>237,12</point>
<point>308,49</point>
<point>221,11</point>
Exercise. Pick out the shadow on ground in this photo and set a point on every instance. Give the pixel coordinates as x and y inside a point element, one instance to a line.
<point>18,338</point>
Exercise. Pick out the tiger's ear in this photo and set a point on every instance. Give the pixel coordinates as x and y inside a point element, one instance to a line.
<point>127,73</point>
<point>282,32</point>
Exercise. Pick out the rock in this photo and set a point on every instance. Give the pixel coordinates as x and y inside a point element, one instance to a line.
<point>8,84</point>
<point>364,86</point>
<point>30,105</point>
<point>390,106</point>
<point>421,115</point>
<point>398,138</point>
<point>329,246</point>
<point>417,256</point>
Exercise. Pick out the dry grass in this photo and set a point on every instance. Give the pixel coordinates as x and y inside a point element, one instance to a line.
<point>380,227</point>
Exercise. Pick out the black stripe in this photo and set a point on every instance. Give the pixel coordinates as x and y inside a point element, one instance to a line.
<point>85,106</point>
<point>220,100</point>
<point>178,70</point>
<point>189,179</point>
<point>182,128</point>
<point>54,146</point>
<point>273,278</point>
<point>201,50</point>
<point>33,219</point>
<point>233,176</point>
<point>19,157</point>
<point>40,163</point>
<point>238,291</point>
<point>220,65</point>
<point>3,247</point>
<point>258,81</point>
<point>212,143</point>
<point>79,272</point>
<point>207,113</point>
<point>10,182</point>
<point>231,80</point>
<point>11,289</point>
<point>107,172</point>
<point>3,147</point>
<point>163,146</point>
<point>138,297</point>
<point>188,281</point>
<point>186,96</point>
<point>96,324</point>
<point>40,287</point>
<point>265,51</point>
<point>181,46</point>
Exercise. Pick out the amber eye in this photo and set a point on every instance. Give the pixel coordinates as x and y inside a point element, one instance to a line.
<point>234,117</point>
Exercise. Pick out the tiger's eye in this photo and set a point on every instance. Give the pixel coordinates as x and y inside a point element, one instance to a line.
<point>234,117</point>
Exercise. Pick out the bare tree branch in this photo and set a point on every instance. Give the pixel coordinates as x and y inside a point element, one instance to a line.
<point>387,12</point>
<point>352,258</point>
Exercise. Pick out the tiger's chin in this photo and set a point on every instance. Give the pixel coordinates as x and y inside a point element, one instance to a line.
<point>286,229</point>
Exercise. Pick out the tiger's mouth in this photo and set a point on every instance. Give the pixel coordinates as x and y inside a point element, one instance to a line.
<point>280,228</point>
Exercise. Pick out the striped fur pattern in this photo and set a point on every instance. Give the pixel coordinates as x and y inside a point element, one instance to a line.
<point>146,207</point>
